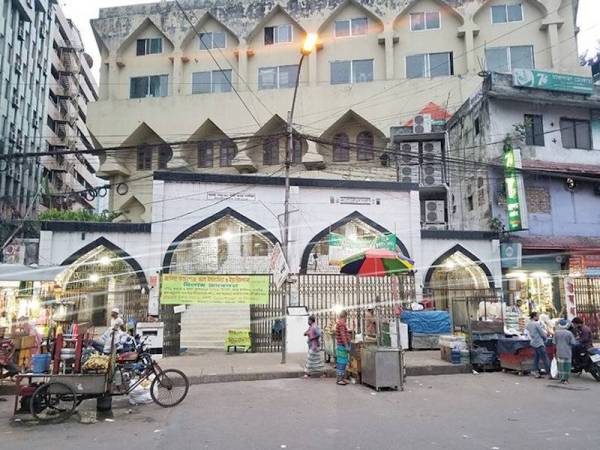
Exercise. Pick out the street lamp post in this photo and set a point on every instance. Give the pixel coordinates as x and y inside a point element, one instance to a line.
<point>307,48</point>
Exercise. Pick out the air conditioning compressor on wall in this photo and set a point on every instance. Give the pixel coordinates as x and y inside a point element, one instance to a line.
<point>435,212</point>
<point>422,123</point>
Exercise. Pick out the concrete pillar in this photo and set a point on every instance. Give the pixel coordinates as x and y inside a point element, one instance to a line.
<point>554,45</point>
<point>113,85</point>
<point>312,159</point>
<point>242,64</point>
<point>313,72</point>
<point>470,51</point>
<point>388,37</point>
<point>104,86</point>
<point>177,86</point>
<point>415,247</point>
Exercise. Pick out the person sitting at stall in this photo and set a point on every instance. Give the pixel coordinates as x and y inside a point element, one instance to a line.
<point>538,336</point>
<point>583,334</point>
<point>342,338</point>
<point>117,326</point>
<point>7,351</point>
<point>370,325</point>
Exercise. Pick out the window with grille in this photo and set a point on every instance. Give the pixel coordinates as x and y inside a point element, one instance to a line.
<point>364,146</point>
<point>341,148</point>
<point>205,154</point>
<point>227,153</point>
<point>144,158</point>
<point>575,133</point>
<point>271,151</point>
<point>164,156</point>
<point>534,129</point>
<point>297,151</point>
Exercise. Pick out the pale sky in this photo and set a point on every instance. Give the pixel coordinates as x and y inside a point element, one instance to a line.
<point>81,11</point>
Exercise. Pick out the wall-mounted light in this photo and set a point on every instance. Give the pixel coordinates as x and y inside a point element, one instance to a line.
<point>94,278</point>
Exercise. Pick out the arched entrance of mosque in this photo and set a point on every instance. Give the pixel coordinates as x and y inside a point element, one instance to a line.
<point>455,278</point>
<point>225,243</point>
<point>100,277</point>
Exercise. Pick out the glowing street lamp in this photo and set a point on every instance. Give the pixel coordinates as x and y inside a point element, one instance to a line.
<point>310,43</point>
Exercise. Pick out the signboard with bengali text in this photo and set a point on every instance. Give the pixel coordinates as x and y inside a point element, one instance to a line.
<point>515,190</point>
<point>551,81</point>
<point>214,289</point>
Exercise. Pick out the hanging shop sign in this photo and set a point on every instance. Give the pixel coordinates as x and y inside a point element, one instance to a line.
<point>570,298</point>
<point>584,266</point>
<point>515,190</point>
<point>511,255</point>
<point>342,246</point>
<point>279,266</point>
<point>550,81</point>
<point>214,289</point>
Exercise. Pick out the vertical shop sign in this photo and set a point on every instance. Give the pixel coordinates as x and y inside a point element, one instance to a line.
<point>570,298</point>
<point>515,191</point>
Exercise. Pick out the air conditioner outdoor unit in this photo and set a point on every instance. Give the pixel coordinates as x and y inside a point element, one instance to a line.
<point>422,123</point>
<point>431,174</point>
<point>435,212</point>
<point>435,226</point>
<point>432,151</point>
<point>408,160</point>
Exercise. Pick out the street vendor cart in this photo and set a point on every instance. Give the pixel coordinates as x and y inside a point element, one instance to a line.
<point>55,397</point>
<point>516,354</point>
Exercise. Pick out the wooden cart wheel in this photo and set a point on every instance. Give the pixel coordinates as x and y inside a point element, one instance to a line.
<point>53,402</point>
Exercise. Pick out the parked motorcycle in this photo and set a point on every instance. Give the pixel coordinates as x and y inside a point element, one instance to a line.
<point>587,360</point>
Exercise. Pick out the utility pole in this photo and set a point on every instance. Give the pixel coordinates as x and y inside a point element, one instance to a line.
<point>309,45</point>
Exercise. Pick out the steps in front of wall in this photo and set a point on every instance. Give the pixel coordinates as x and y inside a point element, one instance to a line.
<point>206,326</point>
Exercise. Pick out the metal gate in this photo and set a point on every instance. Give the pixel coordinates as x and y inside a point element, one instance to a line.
<point>266,322</point>
<point>322,294</point>
<point>587,300</point>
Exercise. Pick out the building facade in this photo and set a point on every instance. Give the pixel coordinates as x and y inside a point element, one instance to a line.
<point>24,45</point>
<point>169,86</point>
<point>558,134</point>
<point>200,114</point>
<point>72,88</point>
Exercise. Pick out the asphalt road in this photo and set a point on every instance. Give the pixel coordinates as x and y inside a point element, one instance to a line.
<point>487,411</point>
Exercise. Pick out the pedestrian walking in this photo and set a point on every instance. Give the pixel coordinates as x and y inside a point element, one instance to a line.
<point>342,338</point>
<point>538,336</point>
<point>564,341</point>
<point>314,363</point>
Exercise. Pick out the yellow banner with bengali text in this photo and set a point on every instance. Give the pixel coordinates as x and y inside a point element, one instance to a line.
<point>215,289</point>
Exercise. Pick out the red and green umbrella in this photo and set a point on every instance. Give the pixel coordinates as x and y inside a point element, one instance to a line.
<point>376,263</point>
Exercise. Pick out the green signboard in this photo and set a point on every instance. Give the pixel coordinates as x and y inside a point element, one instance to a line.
<point>550,81</point>
<point>215,289</point>
<point>515,195</point>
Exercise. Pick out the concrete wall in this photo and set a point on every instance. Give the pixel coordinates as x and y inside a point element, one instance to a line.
<point>574,213</point>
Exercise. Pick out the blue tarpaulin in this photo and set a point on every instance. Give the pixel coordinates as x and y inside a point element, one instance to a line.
<point>427,322</point>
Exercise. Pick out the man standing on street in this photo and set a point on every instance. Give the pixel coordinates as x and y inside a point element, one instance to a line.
<point>538,337</point>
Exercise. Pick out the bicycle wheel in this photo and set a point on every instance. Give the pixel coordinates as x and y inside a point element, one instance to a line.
<point>53,402</point>
<point>169,388</point>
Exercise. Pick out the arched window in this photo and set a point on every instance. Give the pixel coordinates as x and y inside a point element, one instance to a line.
<point>364,146</point>
<point>227,153</point>
<point>297,152</point>
<point>271,151</point>
<point>341,147</point>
